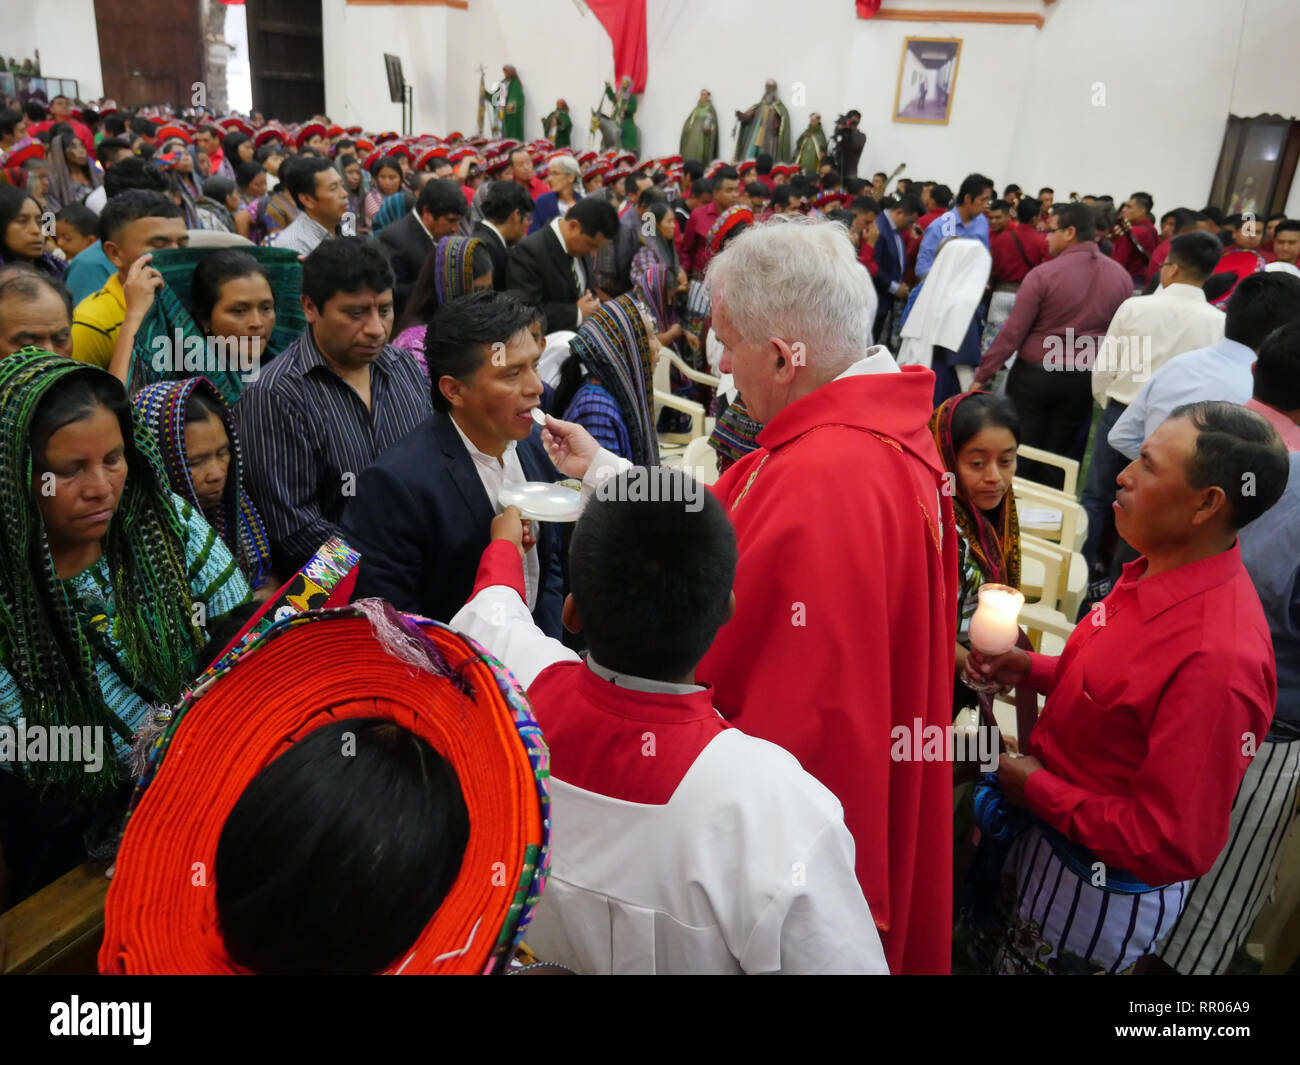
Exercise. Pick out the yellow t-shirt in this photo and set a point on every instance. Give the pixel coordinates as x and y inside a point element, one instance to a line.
<point>96,323</point>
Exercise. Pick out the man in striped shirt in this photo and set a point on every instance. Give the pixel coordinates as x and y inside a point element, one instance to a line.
<point>330,403</point>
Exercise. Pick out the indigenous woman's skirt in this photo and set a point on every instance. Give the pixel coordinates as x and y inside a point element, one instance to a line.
<point>1049,918</point>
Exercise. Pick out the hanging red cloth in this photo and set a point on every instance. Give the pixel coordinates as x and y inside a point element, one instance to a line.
<point>867,8</point>
<point>624,21</point>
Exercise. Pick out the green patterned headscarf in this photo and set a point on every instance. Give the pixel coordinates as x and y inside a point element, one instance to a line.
<point>48,649</point>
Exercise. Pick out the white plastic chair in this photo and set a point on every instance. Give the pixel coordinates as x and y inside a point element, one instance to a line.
<point>1069,467</point>
<point>1073,587</point>
<point>701,461</point>
<point>663,396</point>
<point>1071,529</point>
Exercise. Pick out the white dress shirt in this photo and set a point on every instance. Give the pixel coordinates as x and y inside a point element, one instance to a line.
<point>1148,331</point>
<point>578,271</point>
<point>495,475</point>
<point>1218,372</point>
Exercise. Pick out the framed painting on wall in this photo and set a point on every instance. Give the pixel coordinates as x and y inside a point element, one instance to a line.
<point>927,79</point>
<point>1256,165</point>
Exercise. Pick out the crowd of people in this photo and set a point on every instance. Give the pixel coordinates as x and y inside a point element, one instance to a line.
<point>263,389</point>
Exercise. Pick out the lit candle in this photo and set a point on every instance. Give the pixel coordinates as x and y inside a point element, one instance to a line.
<point>994,629</point>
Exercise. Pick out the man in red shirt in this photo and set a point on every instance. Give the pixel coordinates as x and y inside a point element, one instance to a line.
<point>937,200</point>
<point>61,111</point>
<point>694,249</point>
<point>1181,220</point>
<point>522,174</point>
<point>1133,237</point>
<point>1046,199</point>
<point>1017,247</point>
<point>1153,711</point>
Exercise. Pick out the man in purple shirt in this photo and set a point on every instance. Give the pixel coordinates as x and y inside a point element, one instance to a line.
<point>1060,317</point>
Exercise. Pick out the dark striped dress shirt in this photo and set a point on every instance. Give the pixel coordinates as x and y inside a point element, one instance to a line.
<point>307,436</point>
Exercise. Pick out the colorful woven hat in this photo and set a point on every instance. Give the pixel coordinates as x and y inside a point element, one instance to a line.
<point>236,123</point>
<point>1239,261</point>
<point>746,164</point>
<point>334,131</point>
<point>586,158</point>
<point>365,147</point>
<point>711,171</point>
<point>458,154</point>
<point>23,151</point>
<point>174,131</point>
<point>735,215</point>
<point>306,132</point>
<point>272,131</point>
<point>364,661</point>
<point>354,131</point>
<point>428,155</point>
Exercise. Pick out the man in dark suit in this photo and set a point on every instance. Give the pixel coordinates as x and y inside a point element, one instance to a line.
<point>894,219</point>
<point>507,209</point>
<point>408,242</point>
<point>551,269</point>
<point>422,512</point>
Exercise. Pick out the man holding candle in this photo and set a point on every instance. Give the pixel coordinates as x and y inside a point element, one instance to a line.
<point>846,585</point>
<point>1153,711</point>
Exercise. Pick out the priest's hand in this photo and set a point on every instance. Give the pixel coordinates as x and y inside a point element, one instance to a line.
<point>570,447</point>
<point>1008,669</point>
<point>1013,771</point>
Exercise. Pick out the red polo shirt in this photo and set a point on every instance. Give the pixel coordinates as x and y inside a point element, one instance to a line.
<point>1149,711</point>
<point>1132,250</point>
<point>929,217</point>
<point>694,248</point>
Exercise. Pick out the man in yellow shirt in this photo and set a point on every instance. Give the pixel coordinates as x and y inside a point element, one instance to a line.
<point>132,224</point>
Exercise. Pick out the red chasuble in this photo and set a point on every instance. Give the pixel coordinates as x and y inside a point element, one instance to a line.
<point>846,608</point>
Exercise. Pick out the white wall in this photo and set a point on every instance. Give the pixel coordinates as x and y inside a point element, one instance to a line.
<point>1110,96</point>
<point>64,32</point>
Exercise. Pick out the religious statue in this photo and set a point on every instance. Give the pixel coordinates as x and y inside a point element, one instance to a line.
<point>700,133</point>
<point>510,105</point>
<point>557,126</point>
<point>624,101</point>
<point>811,145</point>
<point>765,127</point>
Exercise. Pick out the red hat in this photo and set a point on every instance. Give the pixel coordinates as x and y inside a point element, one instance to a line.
<point>461,153</point>
<point>364,145</point>
<point>334,131</point>
<point>507,145</point>
<point>167,132</point>
<point>616,172</point>
<point>671,162</point>
<point>353,131</point>
<point>234,122</point>
<point>306,132</point>
<point>429,155</point>
<point>586,158</point>
<point>24,151</point>
<point>272,131</point>
<point>398,148</point>
<point>597,167</point>
<point>496,161</point>
<point>828,200</point>
<point>784,170</point>
<point>455,135</point>
<point>1240,261</point>
<point>712,169</point>
<point>746,164</point>
<point>733,216</point>
<point>109,108</point>
<point>158,120</point>
<point>387,135</point>
<point>627,159</point>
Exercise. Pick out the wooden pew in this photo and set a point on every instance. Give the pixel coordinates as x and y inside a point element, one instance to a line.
<point>59,929</point>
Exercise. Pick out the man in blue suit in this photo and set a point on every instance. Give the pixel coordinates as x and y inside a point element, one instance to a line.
<point>423,510</point>
<point>894,219</point>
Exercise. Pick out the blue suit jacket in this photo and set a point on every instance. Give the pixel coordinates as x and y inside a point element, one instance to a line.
<point>420,519</point>
<point>891,266</point>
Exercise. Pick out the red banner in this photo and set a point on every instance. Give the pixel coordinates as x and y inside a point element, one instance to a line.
<point>624,21</point>
<point>867,8</point>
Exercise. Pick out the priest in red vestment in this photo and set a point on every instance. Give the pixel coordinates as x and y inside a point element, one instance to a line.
<point>846,583</point>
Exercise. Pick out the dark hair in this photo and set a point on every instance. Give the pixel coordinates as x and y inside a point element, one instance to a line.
<point>212,273</point>
<point>651,195</point>
<point>441,196</point>
<point>301,178</point>
<point>34,111</point>
<point>594,216</point>
<point>142,127</point>
<point>1236,449</point>
<point>675,565</point>
<point>199,406</point>
<point>979,412</point>
<point>322,832</point>
<point>78,396</point>
<point>270,148</point>
<point>81,218</point>
<point>864,203</point>
<point>26,281</point>
<point>1080,216</point>
<point>942,195</point>
<point>130,206</point>
<point>230,145</point>
<point>911,204</point>
<point>725,173</point>
<point>693,169</point>
<point>114,125</point>
<point>1197,253</point>
<point>803,184</point>
<point>1289,225</point>
<point>972,187</point>
<point>246,174</point>
<point>1028,209</point>
<point>660,210</point>
<point>345,264</point>
<point>701,187</point>
<point>1000,205</point>
<point>9,122</point>
<point>1006,193</point>
<point>1144,199</point>
<point>1045,189</point>
<point>1277,371</point>
<point>856,186</point>
<point>107,147</point>
<point>218,188</point>
<point>1259,304</point>
<point>782,195</point>
<point>1213,214</point>
<point>133,172</point>
<point>388,162</point>
<point>1217,285</point>
<point>11,205</point>
<point>763,163</point>
<point>463,330</point>
<point>1184,219</point>
<point>422,303</point>
<point>504,198</point>
<point>835,214</point>
<point>830,180</point>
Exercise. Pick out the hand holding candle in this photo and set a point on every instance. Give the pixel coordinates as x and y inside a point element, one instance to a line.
<point>994,630</point>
